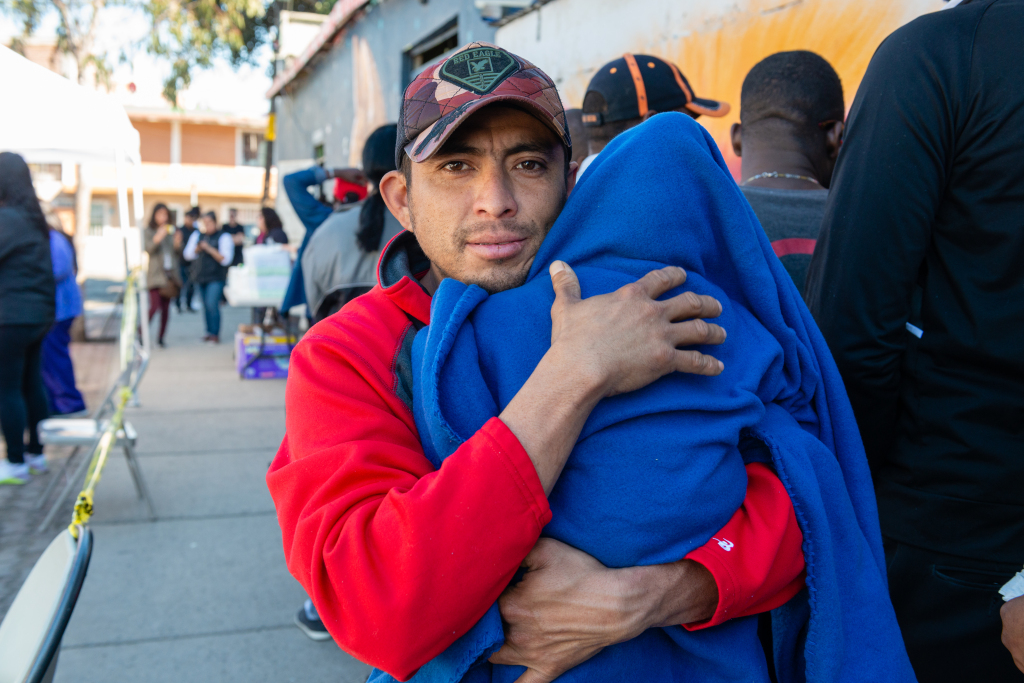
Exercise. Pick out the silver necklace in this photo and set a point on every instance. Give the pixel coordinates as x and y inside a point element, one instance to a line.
<point>776,174</point>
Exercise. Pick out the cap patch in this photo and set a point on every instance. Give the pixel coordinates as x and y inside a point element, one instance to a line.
<point>479,70</point>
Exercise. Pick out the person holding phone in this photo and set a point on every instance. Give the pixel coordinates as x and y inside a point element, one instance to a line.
<point>211,251</point>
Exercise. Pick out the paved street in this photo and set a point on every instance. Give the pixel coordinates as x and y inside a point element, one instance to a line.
<point>202,594</point>
<point>22,508</point>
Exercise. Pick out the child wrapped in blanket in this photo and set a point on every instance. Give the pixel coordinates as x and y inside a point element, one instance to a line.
<point>656,472</point>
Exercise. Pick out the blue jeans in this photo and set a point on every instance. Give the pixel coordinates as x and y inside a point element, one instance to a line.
<point>211,292</point>
<point>188,288</point>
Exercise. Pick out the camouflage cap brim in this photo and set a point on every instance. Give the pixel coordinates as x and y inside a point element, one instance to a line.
<point>441,97</point>
<point>431,140</point>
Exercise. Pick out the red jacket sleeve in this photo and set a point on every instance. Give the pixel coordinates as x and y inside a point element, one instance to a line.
<point>757,558</point>
<point>397,557</point>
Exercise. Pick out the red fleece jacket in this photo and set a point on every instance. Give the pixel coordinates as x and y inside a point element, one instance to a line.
<point>399,559</point>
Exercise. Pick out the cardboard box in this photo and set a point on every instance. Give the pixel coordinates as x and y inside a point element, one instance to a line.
<point>272,364</point>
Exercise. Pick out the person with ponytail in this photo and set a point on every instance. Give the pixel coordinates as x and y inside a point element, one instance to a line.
<point>27,309</point>
<point>340,261</point>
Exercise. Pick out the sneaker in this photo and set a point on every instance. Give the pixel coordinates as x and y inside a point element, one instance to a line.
<point>311,626</point>
<point>36,463</point>
<point>16,474</point>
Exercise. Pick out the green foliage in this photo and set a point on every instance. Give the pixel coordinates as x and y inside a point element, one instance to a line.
<point>187,34</point>
<point>29,12</point>
<point>76,30</point>
<point>190,34</point>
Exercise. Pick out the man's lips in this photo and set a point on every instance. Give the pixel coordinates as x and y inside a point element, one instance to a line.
<point>496,248</point>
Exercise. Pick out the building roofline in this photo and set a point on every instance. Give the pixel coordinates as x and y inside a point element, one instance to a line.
<point>537,4</point>
<point>192,116</point>
<point>341,13</point>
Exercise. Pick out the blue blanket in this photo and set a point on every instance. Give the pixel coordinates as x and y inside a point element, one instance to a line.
<point>659,471</point>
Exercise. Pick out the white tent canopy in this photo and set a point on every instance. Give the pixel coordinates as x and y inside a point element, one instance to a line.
<point>49,119</point>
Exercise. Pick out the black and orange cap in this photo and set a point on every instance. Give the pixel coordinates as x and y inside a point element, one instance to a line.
<point>633,85</point>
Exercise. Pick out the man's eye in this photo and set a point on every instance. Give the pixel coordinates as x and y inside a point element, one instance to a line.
<point>456,166</point>
<point>530,165</point>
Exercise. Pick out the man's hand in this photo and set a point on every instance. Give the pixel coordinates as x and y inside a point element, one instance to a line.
<point>1012,613</point>
<point>601,346</point>
<point>627,339</point>
<point>569,607</point>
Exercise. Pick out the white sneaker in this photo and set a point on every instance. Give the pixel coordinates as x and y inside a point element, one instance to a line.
<point>36,463</point>
<point>13,474</point>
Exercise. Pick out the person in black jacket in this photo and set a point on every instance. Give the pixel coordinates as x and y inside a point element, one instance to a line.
<point>27,304</point>
<point>210,250</point>
<point>917,282</point>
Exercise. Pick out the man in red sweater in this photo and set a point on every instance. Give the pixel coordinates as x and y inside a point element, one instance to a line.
<point>401,559</point>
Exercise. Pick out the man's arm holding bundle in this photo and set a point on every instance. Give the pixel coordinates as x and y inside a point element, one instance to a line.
<point>401,559</point>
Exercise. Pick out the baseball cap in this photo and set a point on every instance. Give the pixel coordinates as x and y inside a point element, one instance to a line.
<point>632,85</point>
<point>445,94</point>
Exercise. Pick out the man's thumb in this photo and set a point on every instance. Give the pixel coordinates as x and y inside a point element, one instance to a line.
<point>564,281</point>
<point>532,676</point>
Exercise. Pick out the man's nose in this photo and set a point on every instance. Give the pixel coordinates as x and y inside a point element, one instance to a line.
<point>495,197</point>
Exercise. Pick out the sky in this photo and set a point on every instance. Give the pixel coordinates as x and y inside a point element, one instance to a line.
<point>220,88</point>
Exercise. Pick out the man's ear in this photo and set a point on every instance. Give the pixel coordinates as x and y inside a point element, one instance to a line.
<point>570,178</point>
<point>834,139</point>
<point>395,192</point>
<point>736,133</point>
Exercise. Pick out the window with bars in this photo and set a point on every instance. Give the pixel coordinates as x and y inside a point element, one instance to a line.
<point>254,149</point>
<point>438,44</point>
<point>97,218</point>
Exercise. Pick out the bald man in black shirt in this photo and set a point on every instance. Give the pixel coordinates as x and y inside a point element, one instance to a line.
<point>917,282</point>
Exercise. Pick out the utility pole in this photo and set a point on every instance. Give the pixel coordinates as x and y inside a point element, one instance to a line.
<point>272,119</point>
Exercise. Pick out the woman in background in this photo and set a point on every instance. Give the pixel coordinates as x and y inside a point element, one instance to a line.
<point>340,260</point>
<point>269,224</point>
<point>161,277</point>
<point>26,314</point>
<point>58,371</point>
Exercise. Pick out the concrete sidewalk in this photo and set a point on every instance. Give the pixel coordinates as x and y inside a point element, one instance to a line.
<point>202,594</point>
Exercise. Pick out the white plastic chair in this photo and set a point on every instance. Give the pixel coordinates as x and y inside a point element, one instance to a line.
<point>31,632</point>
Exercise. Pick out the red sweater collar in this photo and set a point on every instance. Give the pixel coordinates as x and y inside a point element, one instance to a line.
<point>401,263</point>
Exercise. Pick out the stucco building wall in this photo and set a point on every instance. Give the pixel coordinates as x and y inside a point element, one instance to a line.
<point>357,85</point>
<point>714,42</point>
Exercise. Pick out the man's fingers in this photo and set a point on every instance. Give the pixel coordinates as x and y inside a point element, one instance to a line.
<point>697,363</point>
<point>689,305</point>
<point>657,282</point>
<point>505,655</point>
<point>564,281</point>
<point>695,333</point>
<point>533,676</point>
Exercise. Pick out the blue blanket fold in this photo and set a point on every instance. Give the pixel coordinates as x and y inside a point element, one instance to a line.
<point>657,472</point>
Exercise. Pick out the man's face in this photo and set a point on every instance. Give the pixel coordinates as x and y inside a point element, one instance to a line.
<point>481,206</point>
<point>232,216</point>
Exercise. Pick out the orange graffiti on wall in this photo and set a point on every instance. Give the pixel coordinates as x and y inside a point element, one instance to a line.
<point>845,32</point>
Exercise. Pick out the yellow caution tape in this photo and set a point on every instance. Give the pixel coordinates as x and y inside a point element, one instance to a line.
<point>83,506</point>
<point>129,316</point>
